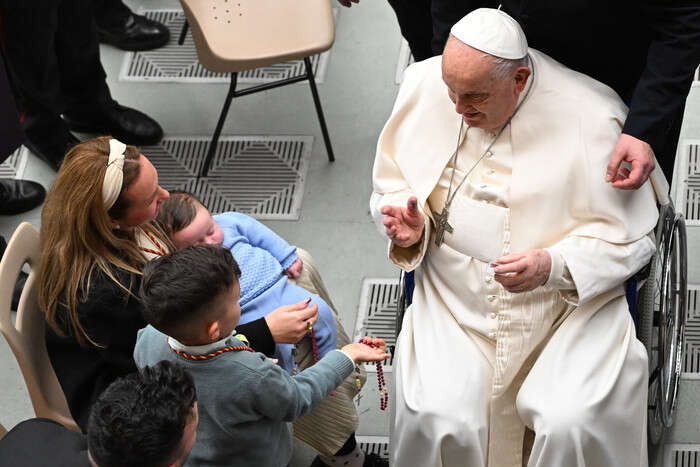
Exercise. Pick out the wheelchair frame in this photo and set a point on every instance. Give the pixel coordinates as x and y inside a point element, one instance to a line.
<point>659,312</point>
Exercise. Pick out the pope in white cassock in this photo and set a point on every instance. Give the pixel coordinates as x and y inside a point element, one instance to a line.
<point>520,250</point>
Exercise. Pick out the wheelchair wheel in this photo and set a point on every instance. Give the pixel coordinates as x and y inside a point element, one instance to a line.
<point>662,305</point>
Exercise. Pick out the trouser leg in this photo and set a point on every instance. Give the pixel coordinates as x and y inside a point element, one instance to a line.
<point>83,80</point>
<point>110,14</point>
<point>445,14</point>
<point>416,25</point>
<point>586,396</point>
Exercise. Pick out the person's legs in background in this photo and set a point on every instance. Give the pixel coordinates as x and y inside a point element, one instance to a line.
<point>119,26</point>
<point>59,72</point>
<point>416,25</point>
<point>445,13</point>
<point>29,45</point>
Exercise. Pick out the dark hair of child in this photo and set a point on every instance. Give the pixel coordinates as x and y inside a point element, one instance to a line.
<point>178,211</point>
<point>140,419</point>
<point>184,289</point>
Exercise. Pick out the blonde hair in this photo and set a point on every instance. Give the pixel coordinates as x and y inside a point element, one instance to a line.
<point>77,235</point>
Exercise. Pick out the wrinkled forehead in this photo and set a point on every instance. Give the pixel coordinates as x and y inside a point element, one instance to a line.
<point>465,68</point>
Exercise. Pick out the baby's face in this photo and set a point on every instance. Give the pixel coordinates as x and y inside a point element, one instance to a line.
<point>202,230</point>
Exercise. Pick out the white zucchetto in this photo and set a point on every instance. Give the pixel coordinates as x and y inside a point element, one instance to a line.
<point>492,31</point>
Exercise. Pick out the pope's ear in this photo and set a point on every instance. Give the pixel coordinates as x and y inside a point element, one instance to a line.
<point>521,76</point>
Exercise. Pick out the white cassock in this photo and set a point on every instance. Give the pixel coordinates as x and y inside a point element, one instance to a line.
<point>476,364</point>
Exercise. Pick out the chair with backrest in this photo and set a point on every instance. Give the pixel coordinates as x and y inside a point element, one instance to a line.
<point>236,35</point>
<point>26,335</point>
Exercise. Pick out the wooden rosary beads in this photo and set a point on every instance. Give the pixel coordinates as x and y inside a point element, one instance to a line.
<point>381,383</point>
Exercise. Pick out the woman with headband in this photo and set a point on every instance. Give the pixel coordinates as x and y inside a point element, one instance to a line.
<point>97,232</point>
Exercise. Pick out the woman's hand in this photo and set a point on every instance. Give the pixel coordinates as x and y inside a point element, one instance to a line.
<point>289,323</point>
<point>294,270</point>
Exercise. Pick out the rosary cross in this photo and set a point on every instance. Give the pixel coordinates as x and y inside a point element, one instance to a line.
<point>442,225</point>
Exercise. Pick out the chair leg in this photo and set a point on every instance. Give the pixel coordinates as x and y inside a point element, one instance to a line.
<point>215,138</point>
<point>183,32</point>
<point>319,110</point>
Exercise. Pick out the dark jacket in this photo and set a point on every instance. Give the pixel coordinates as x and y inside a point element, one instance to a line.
<point>40,442</point>
<point>111,317</point>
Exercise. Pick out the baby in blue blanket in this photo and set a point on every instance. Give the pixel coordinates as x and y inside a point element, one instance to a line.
<point>266,261</point>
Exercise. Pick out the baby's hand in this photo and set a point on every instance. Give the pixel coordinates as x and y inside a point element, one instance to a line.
<point>365,353</point>
<point>294,270</point>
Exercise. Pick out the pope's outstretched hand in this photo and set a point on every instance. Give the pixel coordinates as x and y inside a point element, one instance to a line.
<point>638,154</point>
<point>404,226</point>
<point>522,272</point>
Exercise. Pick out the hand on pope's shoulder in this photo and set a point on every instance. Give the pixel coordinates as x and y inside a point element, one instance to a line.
<point>638,154</point>
<point>404,225</point>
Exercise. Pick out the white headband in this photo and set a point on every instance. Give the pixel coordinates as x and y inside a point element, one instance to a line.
<point>114,175</point>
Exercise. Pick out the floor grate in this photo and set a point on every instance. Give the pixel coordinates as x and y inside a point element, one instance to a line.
<point>690,183</point>
<point>174,63</point>
<point>375,445</point>
<point>691,359</point>
<point>262,176</point>
<point>405,59</point>
<point>377,313</point>
<point>682,455</point>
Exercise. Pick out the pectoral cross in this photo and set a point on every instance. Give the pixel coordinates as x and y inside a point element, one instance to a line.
<point>442,225</point>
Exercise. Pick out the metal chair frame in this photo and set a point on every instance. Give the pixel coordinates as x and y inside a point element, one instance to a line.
<point>233,93</point>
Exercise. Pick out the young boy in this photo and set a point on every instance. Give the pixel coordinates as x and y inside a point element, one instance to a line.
<point>191,303</point>
<point>265,259</point>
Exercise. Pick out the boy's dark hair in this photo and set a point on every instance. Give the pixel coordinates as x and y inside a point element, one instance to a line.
<point>179,289</point>
<point>139,420</point>
<point>178,211</point>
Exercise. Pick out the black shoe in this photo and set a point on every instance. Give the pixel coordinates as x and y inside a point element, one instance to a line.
<point>18,196</point>
<point>128,125</point>
<point>137,33</point>
<point>17,292</point>
<point>47,136</point>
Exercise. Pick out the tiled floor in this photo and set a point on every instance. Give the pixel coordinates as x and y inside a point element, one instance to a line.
<point>330,216</point>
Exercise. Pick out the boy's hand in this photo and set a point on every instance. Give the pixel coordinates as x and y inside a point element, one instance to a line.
<point>364,353</point>
<point>289,323</point>
<point>294,270</point>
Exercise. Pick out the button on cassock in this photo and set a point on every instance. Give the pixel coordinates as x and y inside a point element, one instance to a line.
<point>491,298</point>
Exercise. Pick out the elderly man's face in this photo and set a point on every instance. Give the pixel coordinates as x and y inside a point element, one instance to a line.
<point>483,99</point>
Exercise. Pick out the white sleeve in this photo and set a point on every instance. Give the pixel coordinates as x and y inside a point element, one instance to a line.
<point>595,266</point>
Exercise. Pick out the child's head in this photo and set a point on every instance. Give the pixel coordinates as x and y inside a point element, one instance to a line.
<point>192,294</point>
<point>187,222</point>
